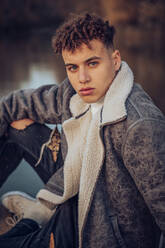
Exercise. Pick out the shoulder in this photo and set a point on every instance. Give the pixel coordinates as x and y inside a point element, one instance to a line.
<point>145,123</point>
<point>139,109</point>
<point>140,105</point>
<point>143,115</point>
<point>143,119</point>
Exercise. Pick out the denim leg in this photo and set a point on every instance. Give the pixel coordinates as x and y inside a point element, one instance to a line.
<point>16,237</point>
<point>27,144</point>
<point>10,157</point>
<point>63,224</point>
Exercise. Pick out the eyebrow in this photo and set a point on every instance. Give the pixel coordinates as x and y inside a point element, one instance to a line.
<point>86,61</point>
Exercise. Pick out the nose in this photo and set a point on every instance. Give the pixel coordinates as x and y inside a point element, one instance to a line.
<point>84,76</point>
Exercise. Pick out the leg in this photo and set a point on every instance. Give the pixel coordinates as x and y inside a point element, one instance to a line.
<point>63,225</point>
<point>25,141</point>
<point>10,157</point>
<point>18,234</point>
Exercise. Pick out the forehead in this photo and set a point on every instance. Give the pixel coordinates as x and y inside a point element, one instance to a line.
<point>84,52</point>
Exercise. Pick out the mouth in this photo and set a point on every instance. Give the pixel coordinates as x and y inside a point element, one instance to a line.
<point>86,91</point>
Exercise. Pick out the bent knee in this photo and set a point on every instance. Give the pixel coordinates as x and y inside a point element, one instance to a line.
<point>21,124</point>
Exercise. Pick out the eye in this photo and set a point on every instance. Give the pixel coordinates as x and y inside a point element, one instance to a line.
<point>72,68</point>
<point>93,64</point>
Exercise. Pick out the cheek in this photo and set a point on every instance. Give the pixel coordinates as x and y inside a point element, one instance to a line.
<point>106,71</point>
<point>109,74</point>
<point>106,78</point>
<point>73,82</point>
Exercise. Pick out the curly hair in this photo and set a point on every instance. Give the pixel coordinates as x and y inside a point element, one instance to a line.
<point>80,29</point>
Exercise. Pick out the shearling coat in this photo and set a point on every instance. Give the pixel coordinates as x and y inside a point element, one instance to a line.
<point>120,177</point>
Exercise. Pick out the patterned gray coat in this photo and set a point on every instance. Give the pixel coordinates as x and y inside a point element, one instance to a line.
<point>122,188</point>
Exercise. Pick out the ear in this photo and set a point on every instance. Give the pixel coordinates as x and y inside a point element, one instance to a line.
<point>116,59</point>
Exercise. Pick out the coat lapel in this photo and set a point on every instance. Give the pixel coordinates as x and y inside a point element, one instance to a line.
<point>114,103</point>
<point>91,165</point>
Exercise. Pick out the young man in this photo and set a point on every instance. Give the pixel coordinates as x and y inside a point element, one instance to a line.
<point>109,190</point>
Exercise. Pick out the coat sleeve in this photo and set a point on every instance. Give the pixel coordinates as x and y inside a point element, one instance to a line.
<point>144,157</point>
<point>43,105</point>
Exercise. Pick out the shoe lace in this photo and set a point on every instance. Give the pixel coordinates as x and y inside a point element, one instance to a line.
<point>13,220</point>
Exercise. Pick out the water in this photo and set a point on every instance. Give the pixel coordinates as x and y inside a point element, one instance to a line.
<point>28,62</point>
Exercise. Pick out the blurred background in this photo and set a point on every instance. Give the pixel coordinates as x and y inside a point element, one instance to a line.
<point>27,59</point>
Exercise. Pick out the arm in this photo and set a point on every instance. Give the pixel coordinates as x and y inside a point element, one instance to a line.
<point>43,105</point>
<point>144,157</point>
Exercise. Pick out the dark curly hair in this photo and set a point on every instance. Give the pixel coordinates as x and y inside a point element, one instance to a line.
<point>80,29</point>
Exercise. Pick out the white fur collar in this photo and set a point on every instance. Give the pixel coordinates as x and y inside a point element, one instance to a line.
<point>78,106</point>
<point>115,98</point>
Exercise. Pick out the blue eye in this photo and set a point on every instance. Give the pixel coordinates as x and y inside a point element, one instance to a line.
<point>73,68</point>
<point>93,63</point>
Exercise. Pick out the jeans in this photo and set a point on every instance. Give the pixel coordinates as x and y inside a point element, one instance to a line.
<point>63,224</point>
<point>27,143</point>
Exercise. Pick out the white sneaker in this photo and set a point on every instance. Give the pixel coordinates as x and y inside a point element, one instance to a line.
<point>25,206</point>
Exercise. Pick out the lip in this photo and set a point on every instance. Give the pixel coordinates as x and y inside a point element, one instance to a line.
<point>86,91</point>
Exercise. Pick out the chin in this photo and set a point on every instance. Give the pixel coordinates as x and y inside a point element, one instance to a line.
<point>89,100</point>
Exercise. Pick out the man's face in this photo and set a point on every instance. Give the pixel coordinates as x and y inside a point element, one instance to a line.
<point>91,70</point>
